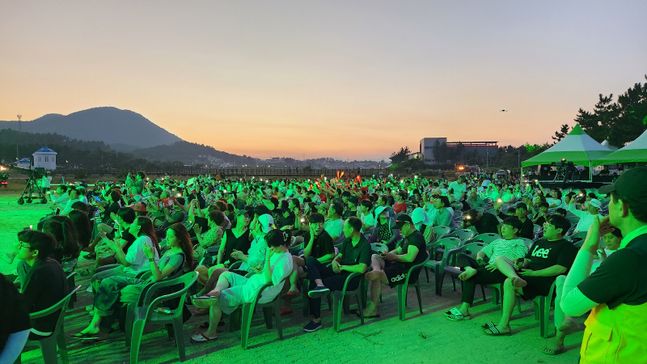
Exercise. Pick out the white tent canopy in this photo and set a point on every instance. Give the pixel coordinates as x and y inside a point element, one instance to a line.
<point>577,147</point>
<point>634,152</point>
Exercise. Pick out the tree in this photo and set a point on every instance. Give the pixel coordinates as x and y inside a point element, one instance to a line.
<point>618,122</point>
<point>400,156</point>
<point>561,133</point>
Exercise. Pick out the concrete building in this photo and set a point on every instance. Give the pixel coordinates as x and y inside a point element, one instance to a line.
<point>45,158</point>
<point>438,150</point>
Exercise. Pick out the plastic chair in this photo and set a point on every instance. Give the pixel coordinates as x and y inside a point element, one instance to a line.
<point>272,308</point>
<point>463,234</point>
<point>403,289</point>
<point>470,249</point>
<point>339,296</point>
<point>542,305</point>
<point>438,266</point>
<point>49,344</point>
<point>441,231</point>
<point>146,312</point>
<point>486,238</point>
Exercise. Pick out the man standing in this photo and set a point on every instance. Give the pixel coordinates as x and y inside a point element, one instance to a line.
<point>616,293</point>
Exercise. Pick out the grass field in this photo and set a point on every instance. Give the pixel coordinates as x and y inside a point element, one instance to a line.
<point>429,338</point>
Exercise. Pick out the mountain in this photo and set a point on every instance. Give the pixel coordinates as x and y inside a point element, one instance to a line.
<point>192,153</point>
<point>123,130</point>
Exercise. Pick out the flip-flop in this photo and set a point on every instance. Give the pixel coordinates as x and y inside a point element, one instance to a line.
<point>494,331</point>
<point>454,314</point>
<point>554,351</point>
<point>487,325</point>
<point>200,338</point>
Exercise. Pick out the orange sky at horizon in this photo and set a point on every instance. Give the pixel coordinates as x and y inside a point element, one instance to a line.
<point>319,79</point>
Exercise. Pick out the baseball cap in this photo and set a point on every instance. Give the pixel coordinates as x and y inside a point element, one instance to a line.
<point>401,219</point>
<point>267,222</point>
<point>630,187</point>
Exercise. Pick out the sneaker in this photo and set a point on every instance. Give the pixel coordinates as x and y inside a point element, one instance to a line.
<point>312,326</point>
<point>318,291</point>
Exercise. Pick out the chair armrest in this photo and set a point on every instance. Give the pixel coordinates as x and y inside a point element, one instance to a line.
<point>55,307</point>
<point>348,279</point>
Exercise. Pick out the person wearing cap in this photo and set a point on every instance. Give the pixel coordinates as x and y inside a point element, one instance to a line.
<point>585,217</point>
<point>354,257</point>
<point>533,276</point>
<point>423,224</point>
<point>616,293</point>
<point>483,270</point>
<point>391,267</point>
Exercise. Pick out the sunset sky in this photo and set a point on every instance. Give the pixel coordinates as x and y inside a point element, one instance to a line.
<point>348,79</point>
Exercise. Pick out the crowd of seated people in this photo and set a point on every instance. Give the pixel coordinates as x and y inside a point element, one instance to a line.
<point>242,234</point>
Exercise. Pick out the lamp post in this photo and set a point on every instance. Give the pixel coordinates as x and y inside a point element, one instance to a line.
<point>20,130</point>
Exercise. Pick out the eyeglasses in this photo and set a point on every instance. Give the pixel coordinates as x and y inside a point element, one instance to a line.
<point>22,244</point>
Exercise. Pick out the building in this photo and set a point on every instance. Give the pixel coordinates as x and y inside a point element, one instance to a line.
<point>45,158</point>
<point>23,163</point>
<point>438,150</point>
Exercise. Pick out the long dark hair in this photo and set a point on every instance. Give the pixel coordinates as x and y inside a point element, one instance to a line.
<point>82,225</point>
<point>184,241</point>
<point>64,234</point>
<point>147,228</point>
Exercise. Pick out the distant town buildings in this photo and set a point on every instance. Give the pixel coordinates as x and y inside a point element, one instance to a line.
<point>437,150</point>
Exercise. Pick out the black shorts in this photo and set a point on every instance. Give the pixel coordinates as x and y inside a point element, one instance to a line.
<point>396,273</point>
<point>537,286</point>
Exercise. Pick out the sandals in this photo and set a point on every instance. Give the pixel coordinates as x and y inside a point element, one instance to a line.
<point>455,314</point>
<point>200,338</point>
<point>494,331</point>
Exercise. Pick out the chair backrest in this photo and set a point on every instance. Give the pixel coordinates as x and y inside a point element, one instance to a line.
<point>178,288</point>
<point>486,238</point>
<point>441,231</point>
<point>472,248</point>
<point>445,245</point>
<point>463,234</point>
<point>60,306</point>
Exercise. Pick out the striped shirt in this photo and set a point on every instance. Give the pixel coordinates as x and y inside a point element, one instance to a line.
<point>511,249</point>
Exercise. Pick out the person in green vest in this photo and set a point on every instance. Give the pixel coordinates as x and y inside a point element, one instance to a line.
<point>616,293</point>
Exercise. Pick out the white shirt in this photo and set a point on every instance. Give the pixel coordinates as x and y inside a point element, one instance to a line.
<point>135,255</point>
<point>511,249</point>
<point>281,267</point>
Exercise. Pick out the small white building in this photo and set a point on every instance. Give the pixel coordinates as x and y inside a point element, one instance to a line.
<point>45,158</point>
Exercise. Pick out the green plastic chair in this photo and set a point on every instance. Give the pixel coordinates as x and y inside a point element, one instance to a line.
<point>146,312</point>
<point>49,344</point>
<point>463,234</point>
<point>440,231</point>
<point>339,296</point>
<point>470,249</point>
<point>438,266</point>
<point>542,305</point>
<point>270,309</point>
<point>486,238</point>
<point>403,289</point>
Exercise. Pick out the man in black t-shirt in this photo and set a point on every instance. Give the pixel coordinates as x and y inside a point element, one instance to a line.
<point>546,259</point>
<point>483,222</point>
<point>616,293</point>
<point>392,267</point>
<point>354,257</point>
<point>319,246</point>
